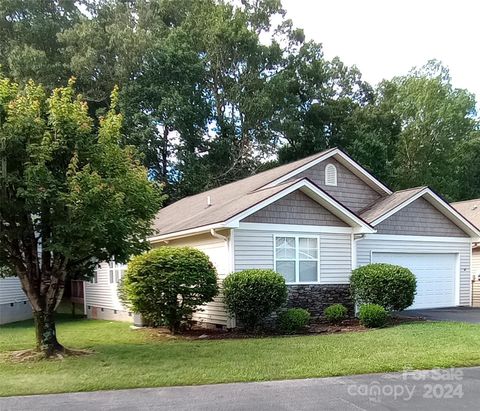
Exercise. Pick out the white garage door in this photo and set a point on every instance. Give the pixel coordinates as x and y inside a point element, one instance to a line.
<point>435,275</point>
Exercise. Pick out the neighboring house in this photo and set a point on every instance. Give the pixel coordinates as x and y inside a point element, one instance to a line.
<point>14,305</point>
<point>313,221</point>
<point>471,210</point>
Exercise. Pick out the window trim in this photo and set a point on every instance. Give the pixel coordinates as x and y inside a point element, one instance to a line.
<point>115,272</point>
<point>333,169</point>
<point>297,259</point>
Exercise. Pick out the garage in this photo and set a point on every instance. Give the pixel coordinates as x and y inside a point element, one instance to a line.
<point>435,273</point>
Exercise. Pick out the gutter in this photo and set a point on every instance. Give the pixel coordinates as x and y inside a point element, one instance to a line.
<point>216,235</point>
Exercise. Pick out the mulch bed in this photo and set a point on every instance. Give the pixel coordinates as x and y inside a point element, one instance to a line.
<point>318,327</point>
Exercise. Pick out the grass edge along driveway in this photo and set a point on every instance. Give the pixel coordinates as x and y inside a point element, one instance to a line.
<point>127,358</point>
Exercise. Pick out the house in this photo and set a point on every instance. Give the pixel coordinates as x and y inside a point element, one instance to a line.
<point>313,221</point>
<point>471,210</point>
<point>14,305</point>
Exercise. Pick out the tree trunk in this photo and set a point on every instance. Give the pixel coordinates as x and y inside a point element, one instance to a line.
<point>46,333</point>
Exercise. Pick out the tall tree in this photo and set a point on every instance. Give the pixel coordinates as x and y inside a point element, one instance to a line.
<point>29,46</point>
<point>166,109</point>
<point>70,196</point>
<point>238,68</point>
<point>317,99</point>
<point>435,119</point>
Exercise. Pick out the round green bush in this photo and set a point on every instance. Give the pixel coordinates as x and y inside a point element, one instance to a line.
<point>373,315</point>
<point>391,286</point>
<point>251,295</point>
<point>336,313</point>
<point>293,320</point>
<point>167,284</point>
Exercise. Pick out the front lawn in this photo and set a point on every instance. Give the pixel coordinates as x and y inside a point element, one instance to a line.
<point>125,358</point>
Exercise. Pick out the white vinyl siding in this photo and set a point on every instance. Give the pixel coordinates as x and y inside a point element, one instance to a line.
<point>11,291</point>
<point>476,275</point>
<point>476,263</point>
<point>375,243</point>
<point>255,249</point>
<point>219,254</point>
<point>103,293</point>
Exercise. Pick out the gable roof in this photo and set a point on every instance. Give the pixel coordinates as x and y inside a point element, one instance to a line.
<point>230,211</point>
<point>470,209</point>
<point>346,161</point>
<point>225,206</point>
<point>193,211</point>
<point>386,207</point>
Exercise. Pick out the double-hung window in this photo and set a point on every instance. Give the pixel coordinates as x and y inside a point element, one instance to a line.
<point>94,279</point>
<point>297,258</point>
<point>116,271</point>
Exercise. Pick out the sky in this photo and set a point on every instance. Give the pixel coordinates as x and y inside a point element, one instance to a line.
<point>385,38</point>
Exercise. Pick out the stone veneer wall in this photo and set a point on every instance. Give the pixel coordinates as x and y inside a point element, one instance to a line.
<point>316,297</point>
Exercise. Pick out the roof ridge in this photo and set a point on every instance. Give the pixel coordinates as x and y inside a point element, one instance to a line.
<point>370,207</point>
<point>312,157</point>
<point>408,189</point>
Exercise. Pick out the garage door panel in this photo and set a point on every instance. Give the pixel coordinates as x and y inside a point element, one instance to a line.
<point>435,274</point>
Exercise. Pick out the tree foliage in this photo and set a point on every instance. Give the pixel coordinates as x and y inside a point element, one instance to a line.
<point>70,195</point>
<point>435,119</point>
<point>211,89</point>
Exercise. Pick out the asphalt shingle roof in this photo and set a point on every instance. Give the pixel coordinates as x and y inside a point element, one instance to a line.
<point>385,204</point>
<point>226,201</point>
<point>470,209</point>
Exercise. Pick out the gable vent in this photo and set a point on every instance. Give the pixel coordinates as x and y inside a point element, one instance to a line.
<point>330,175</point>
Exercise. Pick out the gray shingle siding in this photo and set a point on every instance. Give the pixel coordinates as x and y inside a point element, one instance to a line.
<point>295,208</point>
<point>420,218</point>
<point>350,190</point>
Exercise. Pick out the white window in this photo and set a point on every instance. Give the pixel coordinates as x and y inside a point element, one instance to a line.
<point>297,258</point>
<point>116,271</point>
<point>94,279</point>
<point>330,175</point>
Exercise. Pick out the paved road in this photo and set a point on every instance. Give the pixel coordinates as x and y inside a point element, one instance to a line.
<point>457,389</point>
<point>462,314</point>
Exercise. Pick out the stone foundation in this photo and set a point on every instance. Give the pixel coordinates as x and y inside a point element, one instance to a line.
<point>316,297</point>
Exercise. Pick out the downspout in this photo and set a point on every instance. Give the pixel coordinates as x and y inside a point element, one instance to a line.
<point>216,235</point>
<point>355,238</point>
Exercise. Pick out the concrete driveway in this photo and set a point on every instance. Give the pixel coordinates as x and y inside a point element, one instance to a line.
<point>461,314</point>
<point>440,390</point>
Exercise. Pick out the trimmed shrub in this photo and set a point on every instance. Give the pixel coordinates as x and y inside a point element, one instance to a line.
<point>167,284</point>
<point>391,286</point>
<point>293,320</point>
<point>373,315</point>
<point>336,313</point>
<point>251,295</point>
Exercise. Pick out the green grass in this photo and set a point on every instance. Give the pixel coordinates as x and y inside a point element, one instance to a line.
<point>126,358</point>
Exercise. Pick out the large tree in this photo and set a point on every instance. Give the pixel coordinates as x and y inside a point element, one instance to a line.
<point>29,46</point>
<point>436,119</point>
<point>70,195</point>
